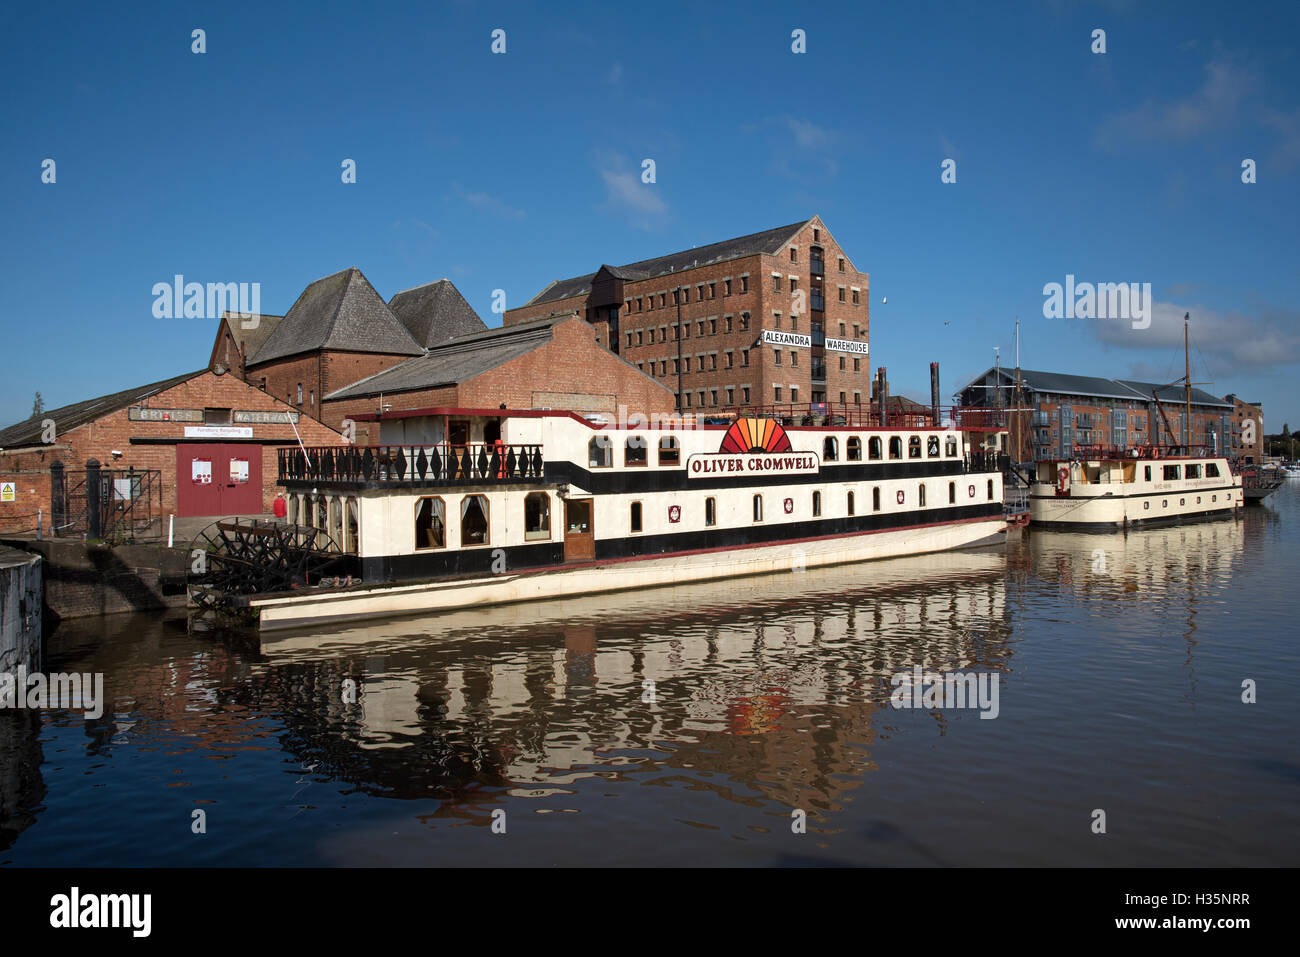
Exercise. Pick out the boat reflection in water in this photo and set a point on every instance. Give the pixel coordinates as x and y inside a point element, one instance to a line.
<point>779,680</point>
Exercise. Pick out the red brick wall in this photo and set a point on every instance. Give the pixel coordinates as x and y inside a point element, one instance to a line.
<point>98,439</point>
<point>760,301</point>
<point>572,362</point>
<point>320,373</point>
<point>576,304</point>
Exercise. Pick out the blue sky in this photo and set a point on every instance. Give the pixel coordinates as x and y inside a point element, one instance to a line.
<point>508,171</point>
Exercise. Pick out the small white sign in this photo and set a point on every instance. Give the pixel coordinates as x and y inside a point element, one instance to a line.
<point>8,491</point>
<point>847,345</point>
<point>787,338</point>
<point>218,431</point>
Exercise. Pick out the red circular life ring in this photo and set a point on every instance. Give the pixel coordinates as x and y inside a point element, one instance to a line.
<point>1062,479</point>
<point>971,491</point>
<point>900,497</point>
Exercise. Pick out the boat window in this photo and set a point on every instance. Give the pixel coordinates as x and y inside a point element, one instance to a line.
<point>990,490</point>
<point>636,516</point>
<point>1194,471</point>
<point>932,446</point>
<point>854,449</point>
<point>1147,470</point>
<point>920,493</point>
<point>600,452</point>
<point>950,447</point>
<point>875,499</point>
<point>635,451</point>
<point>952,493</point>
<point>474,520</point>
<point>537,516</point>
<point>710,511</point>
<point>851,503</point>
<point>430,523</point>
<point>1171,472</point>
<point>831,448</point>
<point>758,508</point>
<point>873,448</point>
<point>895,447</point>
<point>670,452</point>
<point>817,504</point>
<point>914,447</point>
<point>1211,470</point>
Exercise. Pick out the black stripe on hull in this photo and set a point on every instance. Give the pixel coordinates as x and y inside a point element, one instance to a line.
<point>1108,527</point>
<point>479,560</point>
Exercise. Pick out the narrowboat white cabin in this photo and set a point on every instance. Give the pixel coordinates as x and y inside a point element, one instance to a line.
<point>1107,489</point>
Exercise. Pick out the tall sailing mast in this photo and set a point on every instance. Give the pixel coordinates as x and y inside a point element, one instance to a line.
<point>1187,378</point>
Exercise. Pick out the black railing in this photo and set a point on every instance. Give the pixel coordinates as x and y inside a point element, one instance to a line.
<point>413,464</point>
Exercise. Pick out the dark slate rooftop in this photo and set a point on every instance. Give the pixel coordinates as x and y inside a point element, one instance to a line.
<point>435,312</point>
<point>68,417</point>
<point>1128,390</point>
<point>1174,393</point>
<point>251,339</point>
<point>456,361</point>
<point>342,312</point>
<point>768,241</point>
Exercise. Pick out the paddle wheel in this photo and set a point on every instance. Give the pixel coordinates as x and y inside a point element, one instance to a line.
<point>234,557</point>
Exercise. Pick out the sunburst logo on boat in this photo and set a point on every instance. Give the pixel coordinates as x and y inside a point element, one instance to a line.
<point>755,435</point>
<point>753,447</point>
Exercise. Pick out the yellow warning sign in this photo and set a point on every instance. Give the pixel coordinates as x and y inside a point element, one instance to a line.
<point>8,491</point>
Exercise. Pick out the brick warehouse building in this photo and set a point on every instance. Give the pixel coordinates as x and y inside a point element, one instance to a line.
<point>1069,411</point>
<point>778,317</point>
<point>1243,412</point>
<point>212,439</point>
<point>552,363</point>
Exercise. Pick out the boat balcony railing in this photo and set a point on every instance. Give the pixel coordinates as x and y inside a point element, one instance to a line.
<point>864,416</point>
<point>417,465</point>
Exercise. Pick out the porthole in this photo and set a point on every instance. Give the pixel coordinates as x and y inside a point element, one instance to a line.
<point>1164,503</point>
<point>1182,501</point>
<point>971,491</point>
<point>900,497</point>
<point>1146,504</point>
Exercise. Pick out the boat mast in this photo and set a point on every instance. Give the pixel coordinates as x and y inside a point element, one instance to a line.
<point>1187,378</point>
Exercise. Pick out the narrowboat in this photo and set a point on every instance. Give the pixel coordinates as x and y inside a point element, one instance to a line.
<point>1106,489</point>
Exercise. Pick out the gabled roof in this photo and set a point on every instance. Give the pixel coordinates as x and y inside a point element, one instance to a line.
<point>456,361</point>
<point>341,312</point>
<point>252,332</point>
<point>768,242</point>
<point>69,417</point>
<point>435,312</point>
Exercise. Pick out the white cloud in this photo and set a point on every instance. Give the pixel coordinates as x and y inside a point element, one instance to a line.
<point>625,194</point>
<point>1231,340</point>
<point>1213,106</point>
<point>490,204</point>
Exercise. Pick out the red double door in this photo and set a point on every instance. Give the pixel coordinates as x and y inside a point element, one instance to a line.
<point>218,479</point>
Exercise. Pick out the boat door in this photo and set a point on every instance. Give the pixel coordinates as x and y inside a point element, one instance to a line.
<point>579,532</point>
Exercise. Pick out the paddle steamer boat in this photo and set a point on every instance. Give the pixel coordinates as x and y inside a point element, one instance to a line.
<point>461,507</point>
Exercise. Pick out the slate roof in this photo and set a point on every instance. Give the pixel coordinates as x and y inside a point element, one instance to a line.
<point>456,361</point>
<point>435,312</point>
<point>68,417</point>
<point>1128,390</point>
<point>768,241</point>
<point>250,339</point>
<point>1174,393</point>
<point>342,312</point>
